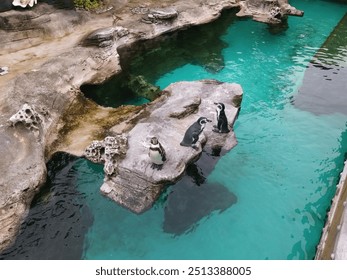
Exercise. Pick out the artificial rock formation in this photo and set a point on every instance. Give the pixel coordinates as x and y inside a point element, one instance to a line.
<point>136,185</point>
<point>50,53</point>
<point>29,117</point>
<point>159,16</point>
<point>108,151</point>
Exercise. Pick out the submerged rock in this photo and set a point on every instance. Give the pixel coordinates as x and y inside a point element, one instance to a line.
<point>136,184</point>
<point>141,87</point>
<point>187,204</point>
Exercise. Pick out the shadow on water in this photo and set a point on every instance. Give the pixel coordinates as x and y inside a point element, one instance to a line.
<point>194,198</point>
<point>58,219</point>
<point>324,88</point>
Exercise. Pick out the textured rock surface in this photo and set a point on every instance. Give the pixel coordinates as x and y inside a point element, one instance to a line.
<point>48,62</point>
<point>108,151</point>
<point>137,185</point>
<point>268,11</point>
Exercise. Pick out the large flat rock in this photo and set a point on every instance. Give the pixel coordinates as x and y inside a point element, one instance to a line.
<point>137,184</point>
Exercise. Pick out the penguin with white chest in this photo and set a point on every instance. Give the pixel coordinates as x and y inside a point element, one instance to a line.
<point>157,154</point>
<point>222,121</point>
<point>192,134</point>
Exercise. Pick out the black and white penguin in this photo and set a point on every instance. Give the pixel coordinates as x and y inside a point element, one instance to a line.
<point>156,153</point>
<point>222,121</point>
<point>192,134</point>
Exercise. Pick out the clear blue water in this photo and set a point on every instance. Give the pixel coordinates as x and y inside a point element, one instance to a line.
<point>283,170</point>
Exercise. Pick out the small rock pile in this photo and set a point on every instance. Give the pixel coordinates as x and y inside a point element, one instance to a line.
<point>108,151</point>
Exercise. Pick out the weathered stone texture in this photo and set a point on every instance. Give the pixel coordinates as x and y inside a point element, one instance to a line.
<point>136,185</point>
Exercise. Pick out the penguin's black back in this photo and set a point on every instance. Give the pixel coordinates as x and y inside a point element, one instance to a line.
<point>223,125</point>
<point>192,135</point>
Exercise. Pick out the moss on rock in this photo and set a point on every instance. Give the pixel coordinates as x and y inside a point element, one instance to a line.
<point>88,4</point>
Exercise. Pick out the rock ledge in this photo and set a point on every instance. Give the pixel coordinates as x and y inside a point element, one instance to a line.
<point>136,185</point>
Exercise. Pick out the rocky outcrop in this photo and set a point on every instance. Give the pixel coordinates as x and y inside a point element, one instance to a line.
<point>159,16</point>
<point>105,37</point>
<point>268,11</point>
<point>136,185</point>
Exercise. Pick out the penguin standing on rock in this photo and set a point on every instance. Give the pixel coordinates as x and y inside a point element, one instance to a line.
<point>192,134</point>
<point>222,121</point>
<point>156,154</point>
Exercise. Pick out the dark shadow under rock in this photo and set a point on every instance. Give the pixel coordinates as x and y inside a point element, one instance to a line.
<point>192,198</point>
<point>187,204</point>
<point>5,5</point>
<point>58,218</point>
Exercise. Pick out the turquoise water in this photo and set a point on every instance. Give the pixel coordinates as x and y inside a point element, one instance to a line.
<point>283,170</point>
<point>282,173</point>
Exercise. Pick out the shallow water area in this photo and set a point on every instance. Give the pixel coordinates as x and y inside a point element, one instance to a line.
<point>277,183</point>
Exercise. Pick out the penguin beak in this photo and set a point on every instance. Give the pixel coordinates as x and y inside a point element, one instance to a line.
<point>215,103</point>
<point>208,120</point>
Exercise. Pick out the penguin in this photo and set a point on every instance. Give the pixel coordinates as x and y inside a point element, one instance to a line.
<point>192,134</point>
<point>222,121</point>
<point>157,154</point>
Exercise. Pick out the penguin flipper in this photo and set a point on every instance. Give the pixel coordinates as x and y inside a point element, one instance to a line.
<point>195,139</point>
<point>225,127</point>
<point>184,144</point>
<point>162,152</point>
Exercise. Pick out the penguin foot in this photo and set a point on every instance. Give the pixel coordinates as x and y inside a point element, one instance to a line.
<point>214,126</point>
<point>195,147</point>
<point>159,167</point>
<point>216,130</point>
<point>156,166</point>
